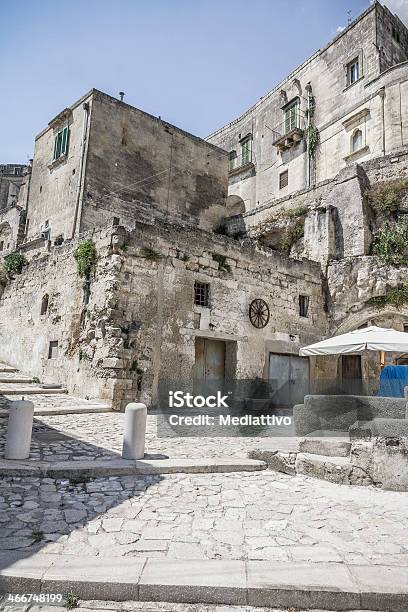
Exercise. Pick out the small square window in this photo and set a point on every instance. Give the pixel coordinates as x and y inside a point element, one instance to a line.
<point>304,301</point>
<point>201,294</point>
<point>353,71</point>
<point>53,349</point>
<point>283,179</point>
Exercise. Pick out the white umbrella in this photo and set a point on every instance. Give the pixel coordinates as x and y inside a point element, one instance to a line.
<point>367,338</point>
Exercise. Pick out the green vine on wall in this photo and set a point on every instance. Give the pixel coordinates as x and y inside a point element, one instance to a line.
<point>385,197</point>
<point>86,256</point>
<point>391,243</point>
<point>312,138</point>
<point>397,297</point>
<point>15,262</point>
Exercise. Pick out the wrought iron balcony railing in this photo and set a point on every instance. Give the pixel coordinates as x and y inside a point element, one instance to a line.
<point>289,132</point>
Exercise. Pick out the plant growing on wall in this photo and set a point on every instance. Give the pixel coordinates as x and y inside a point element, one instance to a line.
<point>86,256</point>
<point>397,297</point>
<point>312,139</point>
<point>291,234</point>
<point>15,262</point>
<point>150,254</point>
<point>391,243</point>
<point>385,197</point>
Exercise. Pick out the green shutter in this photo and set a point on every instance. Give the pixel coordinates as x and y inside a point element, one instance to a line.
<point>64,141</point>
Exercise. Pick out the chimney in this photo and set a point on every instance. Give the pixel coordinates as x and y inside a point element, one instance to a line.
<point>121,95</point>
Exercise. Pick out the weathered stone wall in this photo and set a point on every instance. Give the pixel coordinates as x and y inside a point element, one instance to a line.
<point>56,186</point>
<point>376,105</point>
<point>137,323</point>
<point>81,361</point>
<point>136,160</point>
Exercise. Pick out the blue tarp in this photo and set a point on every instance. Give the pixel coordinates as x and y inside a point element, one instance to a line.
<point>393,379</point>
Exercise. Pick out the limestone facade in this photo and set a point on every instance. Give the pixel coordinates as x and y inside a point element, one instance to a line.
<point>352,94</point>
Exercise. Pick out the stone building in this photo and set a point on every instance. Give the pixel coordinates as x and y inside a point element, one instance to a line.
<point>347,103</point>
<point>13,179</point>
<point>186,283</point>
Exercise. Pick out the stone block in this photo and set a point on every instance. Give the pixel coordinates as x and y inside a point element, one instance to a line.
<point>194,581</point>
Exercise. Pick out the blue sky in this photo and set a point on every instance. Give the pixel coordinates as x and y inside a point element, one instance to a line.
<point>197,63</point>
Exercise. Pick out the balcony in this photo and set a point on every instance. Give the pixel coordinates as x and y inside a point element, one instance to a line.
<point>241,163</point>
<point>288,133</point>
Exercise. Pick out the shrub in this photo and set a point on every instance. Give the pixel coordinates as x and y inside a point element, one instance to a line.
<point>293,213</point>
<point>291,234</point>
<point>391,243</point>
<point>150,254</point>
<point>385,197</point>
<point>15,262</point>
<point>86,256</point>
<point>395,297</point>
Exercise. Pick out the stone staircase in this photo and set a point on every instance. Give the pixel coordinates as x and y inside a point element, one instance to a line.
<point>318,456</point>
<point>14,385</point>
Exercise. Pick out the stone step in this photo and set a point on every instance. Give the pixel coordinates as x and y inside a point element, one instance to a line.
<point>333,469</point>
<point>329,447</point>
<point>6,368</point>
<point>34,390</point>
<point>14,380</point>
<point>328,586</point>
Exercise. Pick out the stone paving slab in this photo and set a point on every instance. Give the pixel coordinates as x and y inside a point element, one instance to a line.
<point>255,516</point>
<point>250,583</point>
<point>51,405</point>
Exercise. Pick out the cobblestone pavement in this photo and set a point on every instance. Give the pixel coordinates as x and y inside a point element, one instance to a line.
<point>263,515</point>
<point>99,436</point>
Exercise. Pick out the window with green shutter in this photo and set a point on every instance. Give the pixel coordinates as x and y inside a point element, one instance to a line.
<point>61,142</point>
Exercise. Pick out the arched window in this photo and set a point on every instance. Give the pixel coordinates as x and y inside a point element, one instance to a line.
<point>44,304</point>
<point>232,160</point>
<point>357,141</point>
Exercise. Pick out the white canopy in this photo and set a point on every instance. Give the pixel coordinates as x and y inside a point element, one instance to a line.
<point>367,338</point>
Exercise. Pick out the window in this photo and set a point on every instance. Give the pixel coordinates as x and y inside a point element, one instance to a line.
<point>353,71</point>
<point>246,150</point>
<point>1,245</point>
<point>232,160</point>
<point>53,349</point>
<point>357,141</point>
<point>201,294</point>
<point>61,142</point>
<point>283,179</point>
<point>405,328</point>
<point>44,304</point>
<point>292,117</point>
<point>17,171</point>
<point>304,305</point>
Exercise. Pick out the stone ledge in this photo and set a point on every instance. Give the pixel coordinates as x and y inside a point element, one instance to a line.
<point>123,467</point>
<point>332,586</point>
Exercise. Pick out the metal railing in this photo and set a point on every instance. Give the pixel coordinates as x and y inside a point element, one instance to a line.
<point>292,122</point>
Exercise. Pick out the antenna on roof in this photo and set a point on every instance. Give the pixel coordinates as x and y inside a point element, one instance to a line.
<point>349,19</point>
<point>121,95</point>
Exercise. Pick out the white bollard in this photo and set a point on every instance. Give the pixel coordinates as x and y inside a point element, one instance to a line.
<point>134,436</point>
<point>19,430</point>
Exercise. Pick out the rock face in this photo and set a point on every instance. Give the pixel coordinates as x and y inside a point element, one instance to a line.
<point>381,462</point>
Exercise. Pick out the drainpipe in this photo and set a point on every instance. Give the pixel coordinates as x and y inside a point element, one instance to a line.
<point>309,165</point>
<point>81,167</point>
<point>381,93</point>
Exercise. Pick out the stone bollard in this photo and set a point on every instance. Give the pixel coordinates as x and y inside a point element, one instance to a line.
<point>19,430</point>
<point>134,436</point>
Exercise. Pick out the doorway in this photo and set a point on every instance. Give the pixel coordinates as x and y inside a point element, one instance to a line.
<point>209,359</point>
<point>351,374</point>
<point>289,376</point>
